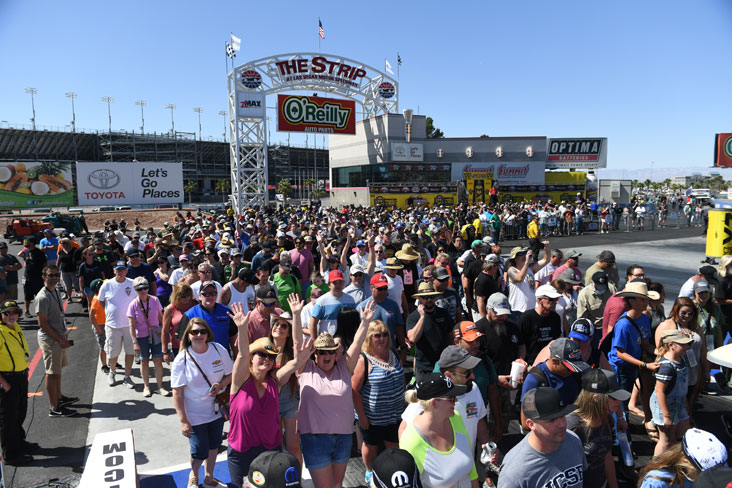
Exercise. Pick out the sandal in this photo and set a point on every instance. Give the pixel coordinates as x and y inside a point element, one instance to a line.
<point>636,411</point>
<point>652,431</point>
<point>211,482</point>
<point>193,479</point>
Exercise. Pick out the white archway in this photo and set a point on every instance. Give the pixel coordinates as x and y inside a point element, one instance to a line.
<point>250,83</point>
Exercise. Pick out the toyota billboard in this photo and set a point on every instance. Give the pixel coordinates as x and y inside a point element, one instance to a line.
<point>129,183</point>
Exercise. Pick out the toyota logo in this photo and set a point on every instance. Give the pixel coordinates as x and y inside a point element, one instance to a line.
<point>103,179</point>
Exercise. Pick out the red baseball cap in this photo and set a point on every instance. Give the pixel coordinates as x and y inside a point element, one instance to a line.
<point>335,275</point>
<point>379,279</point>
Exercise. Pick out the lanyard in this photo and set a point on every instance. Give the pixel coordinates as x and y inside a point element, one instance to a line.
<point>19,340</point>
<point>142,307</point>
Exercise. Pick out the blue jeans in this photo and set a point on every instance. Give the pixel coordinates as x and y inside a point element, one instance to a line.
<point>579,225</point>
<point>626,373</point>
<point>206,437</point>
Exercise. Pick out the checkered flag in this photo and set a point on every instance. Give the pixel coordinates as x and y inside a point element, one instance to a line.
<point>230,51</point>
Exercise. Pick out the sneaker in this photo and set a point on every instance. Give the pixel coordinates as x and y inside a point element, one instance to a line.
<point>146,392</point>
<point>105,369</point>
<point>163,391</point>
<point>368,476</point>
<point>128,383</point>
<point>61,412</point>
<point>137,359</point>
<point>111,378</point>
<point>64,400</point>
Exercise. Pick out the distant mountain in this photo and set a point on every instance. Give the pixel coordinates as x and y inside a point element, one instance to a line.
<point>660,174</point>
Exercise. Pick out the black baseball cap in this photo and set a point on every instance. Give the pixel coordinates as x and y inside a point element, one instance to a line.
<point>434,385</point>
<point>599,380</point>
<point>600,281</point>
<point>395,468</point>
<point>274,469</point>
<point>582,329</point>
<point>440,274</point>
<point>544,403</point>
<point>133,252</point>
<point>568,352</point>
<point>248,275</point>
<point>266,294</point>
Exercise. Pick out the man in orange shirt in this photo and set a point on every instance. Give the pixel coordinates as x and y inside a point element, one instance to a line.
<point>98,318</point>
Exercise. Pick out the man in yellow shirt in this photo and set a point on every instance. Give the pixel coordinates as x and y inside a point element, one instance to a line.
<point>14,357</point>
<point>534,234</point>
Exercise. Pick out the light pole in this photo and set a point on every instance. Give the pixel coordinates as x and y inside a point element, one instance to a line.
<point>32,92</point>
<point>109,101</point>
<point>72,96</point>
<point>171,106</point>
<point>223,114</point>
<point>408,114</point>
<point>651,171</point>
<point>141,104</point>
<point>198,110</point>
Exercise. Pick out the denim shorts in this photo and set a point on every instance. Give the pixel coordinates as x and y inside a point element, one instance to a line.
<point>101,339</point>
<point>289,403</point>
<point>321,450</point>
<point>147,349</point>
<point>206,437</point>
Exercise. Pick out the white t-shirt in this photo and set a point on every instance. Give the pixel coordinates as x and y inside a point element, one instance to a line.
<point>216,363</point>
<point>117,298</point>
<point>544,275</point>
<point>196,287</point>
<point>470,406</point>
<point>307,312</point>
<point>175,276</point>
<point>396,288</point>
<point>522,295</point>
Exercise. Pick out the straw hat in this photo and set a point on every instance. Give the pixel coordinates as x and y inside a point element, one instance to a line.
<point>393,263</point>
<point>426,290</point>
<point>638,289</point>
<point>407,253</point>
<point>325,342</point>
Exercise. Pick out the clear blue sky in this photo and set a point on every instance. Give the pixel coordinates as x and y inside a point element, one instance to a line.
<point>653,77</point>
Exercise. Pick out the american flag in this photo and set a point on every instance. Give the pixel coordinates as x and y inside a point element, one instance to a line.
<point>321,32</point>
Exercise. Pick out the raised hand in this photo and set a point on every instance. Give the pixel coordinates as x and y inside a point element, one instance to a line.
<point>238,316</point>
<point>295,302</point>
<point>368,311</point>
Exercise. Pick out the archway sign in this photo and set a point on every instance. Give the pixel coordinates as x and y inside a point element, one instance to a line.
<point>249,85</point>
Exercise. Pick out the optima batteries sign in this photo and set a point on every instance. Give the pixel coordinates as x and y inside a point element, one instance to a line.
<point>577,153</point>
<point>315,114</point>
<point>129,183</point>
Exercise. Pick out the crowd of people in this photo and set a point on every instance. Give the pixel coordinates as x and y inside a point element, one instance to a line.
<point>412,329</point>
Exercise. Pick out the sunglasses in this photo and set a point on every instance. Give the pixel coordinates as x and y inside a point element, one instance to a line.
<point>358,275</point>
<point>551,299</point>
<point>205,271</point>
<point>381,335</point>
<point>53,275</point>
<point>281,325</point>
<point>12,312</point>
<point>209,293</point>
<point>195,332</point>
<point>264,356</point>
<point>381,288</point>
<point>268,304</point>
<point>451,399</point>
<point>686,314</point>
<point>323,352</point>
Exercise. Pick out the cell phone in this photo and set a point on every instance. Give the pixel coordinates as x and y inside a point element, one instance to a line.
<point>71,343</point>
<point>212,389</point>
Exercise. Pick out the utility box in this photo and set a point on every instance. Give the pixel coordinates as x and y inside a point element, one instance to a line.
<point>614,191</point>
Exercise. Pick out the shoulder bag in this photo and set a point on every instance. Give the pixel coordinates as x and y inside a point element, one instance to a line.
<point>221,403</point>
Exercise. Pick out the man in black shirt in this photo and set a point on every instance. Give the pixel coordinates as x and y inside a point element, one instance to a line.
<point>485,286</point>
<point>449,300</point>
<point>10,265</point>
<point>35,261</point>
<point>540,325</point>
<point>473,265</point>
<point>428,328</point>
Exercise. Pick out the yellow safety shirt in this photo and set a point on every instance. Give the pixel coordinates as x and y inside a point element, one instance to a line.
<point>14,354</point>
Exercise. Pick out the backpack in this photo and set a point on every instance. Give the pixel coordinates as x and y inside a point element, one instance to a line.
<point>607,342</point>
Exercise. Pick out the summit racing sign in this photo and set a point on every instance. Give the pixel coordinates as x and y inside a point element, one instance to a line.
<point>315,114</point>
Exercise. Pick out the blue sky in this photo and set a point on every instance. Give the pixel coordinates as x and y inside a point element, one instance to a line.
<point>651,76</point>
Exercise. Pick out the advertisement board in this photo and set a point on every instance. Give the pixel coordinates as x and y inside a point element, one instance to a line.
<point>297,113</point>
<point>129,183</point>
<point>577,153</point>
<point>403,151</point>
<point>250,104</point>
<point>405,200</point>
<point>558,187</point>
<point>43,184</point>
<point>503,173</point>
<point>723,149</point>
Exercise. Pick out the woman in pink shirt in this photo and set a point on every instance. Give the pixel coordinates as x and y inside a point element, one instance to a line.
<point>255,391</point>
<point>146,317</point>
<point>325,418</point>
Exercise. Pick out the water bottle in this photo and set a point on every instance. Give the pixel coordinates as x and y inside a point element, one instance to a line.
<point>625,449</point>
<point>489,450</point>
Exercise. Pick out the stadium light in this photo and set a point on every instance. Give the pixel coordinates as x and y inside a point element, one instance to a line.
<point>109,101</point>
<point>141,104</point>
<point>72,96</point>
<point>32,92</point>
<point>198,110</point>
<point>224,113</point>
<point>171,106</point>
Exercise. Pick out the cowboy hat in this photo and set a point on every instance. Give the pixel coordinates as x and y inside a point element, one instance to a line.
<point>393,263</point>
<point>638,289</point>
<point>426,290</point>
<point>407,253</point>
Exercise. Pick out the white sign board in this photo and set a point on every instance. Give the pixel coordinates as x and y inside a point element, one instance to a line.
<point>129,183</point>
<point>403,151</point>
<point>250,104</point>
<point>111,461</point>
<point>523,173</point>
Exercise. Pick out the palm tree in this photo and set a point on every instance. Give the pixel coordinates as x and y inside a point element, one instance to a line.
<point>309,183</point>
<point>284,187</point>
<point>189,188</point>
<point>223,186</point>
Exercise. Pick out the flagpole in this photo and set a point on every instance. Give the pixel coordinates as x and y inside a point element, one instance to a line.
<point>319,23</point>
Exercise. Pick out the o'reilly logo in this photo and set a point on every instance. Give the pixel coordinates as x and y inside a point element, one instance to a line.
<point>302,110</point>
<point>728,147</point>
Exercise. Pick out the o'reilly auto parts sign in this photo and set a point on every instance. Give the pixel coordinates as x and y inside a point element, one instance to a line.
<point>315,114</point>
<point>577,153</point>
<point>129,183</point>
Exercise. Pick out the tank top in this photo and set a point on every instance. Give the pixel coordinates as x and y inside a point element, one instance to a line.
<point>174,323</point>
<point>164,288</point>
<point>255,421</point>
<point>241,297</point>
<point>522,296</point>
<point>383,390</point>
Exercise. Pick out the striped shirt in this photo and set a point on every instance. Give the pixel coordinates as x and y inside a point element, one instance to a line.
<point>383,391</point>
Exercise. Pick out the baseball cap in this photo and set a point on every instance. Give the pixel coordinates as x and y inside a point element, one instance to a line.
<point>440,274</point>
<point>96,284</point>
<point>356,268</point>
<point>710,273</point>
<point>248,275</point>
<point>467,330</point>
<point>582,329</point>
<point>606,257</point>
<point>208,283</point>
<point>9,305</point>
<point>379,280</point>
<point>476,243</point>
<point>3,245</point>
<point>435,385</point>
<point>360,243</point>
<point>499,304</point>
<point>48,231</point>
<point>569,277</point>
<point>544,403</point>
<point>140,283</point>
<point>600,280</point>
<point>266,294</point>
<point>568,352</point>
<point>701,286</point>
<point>603,381</point>
<point>454,355</point>
<point>133,252</point>
<point>492,259</point>
<point>572,254</point>
<point>183,257</point>
<point>120,265</point>
<point>395,468</point>
<point>675,335</point>
<point>275,469</point>
<point>547,291</point>
<point>335,275</point>
<point>236,252</point>
<point>223,252</point>
<point>703,449</point>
